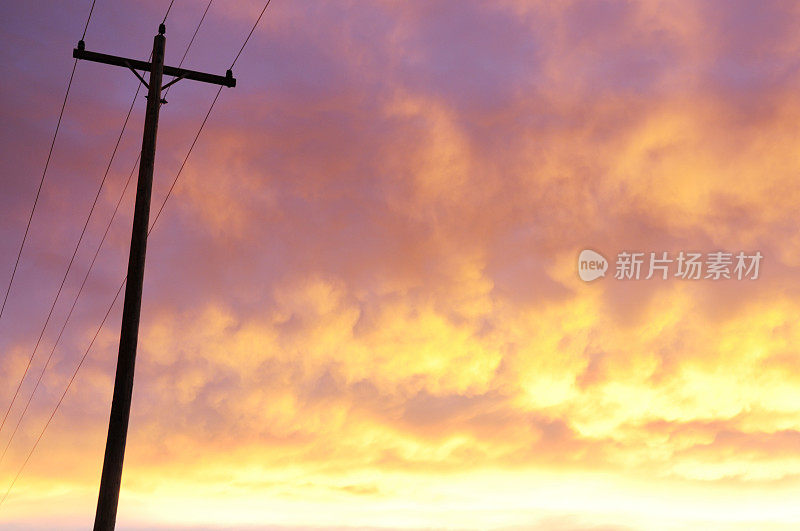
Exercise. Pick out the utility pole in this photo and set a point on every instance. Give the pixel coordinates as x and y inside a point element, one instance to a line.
<point>108,499</point>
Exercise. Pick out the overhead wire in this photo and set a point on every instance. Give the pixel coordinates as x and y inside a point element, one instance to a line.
<point>44,171</point>
<point>247,39</point>
<point>69,268</point>
<point>119,290</point>
<point>52,307</point>
<point>86,26</point>
<point>33,210</point>
<point>94,258</point>
<point>168,10</point>
<point>205,119</point>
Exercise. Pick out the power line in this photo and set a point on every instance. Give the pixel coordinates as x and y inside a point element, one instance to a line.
<point>91,265</point>
<point>35,203</point>
<point>38,190</point>
<point>119,290</point>
<point>69,267</point>
<point>186,158</point>
<point>91,10</point>
<point>251,33</point>
<point>191,41</point>
<point>60,400</point>
<point>167,13</point>
<point>44,172</point>
<point>214,102</point>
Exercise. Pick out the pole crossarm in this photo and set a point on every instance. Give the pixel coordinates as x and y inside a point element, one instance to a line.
<point>226,81</point>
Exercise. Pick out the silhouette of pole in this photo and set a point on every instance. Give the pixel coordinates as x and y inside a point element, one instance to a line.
<point>105,518</point>
<point>110,481</point>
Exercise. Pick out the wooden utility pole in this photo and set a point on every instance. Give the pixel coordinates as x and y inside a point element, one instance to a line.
<point>105,518</point>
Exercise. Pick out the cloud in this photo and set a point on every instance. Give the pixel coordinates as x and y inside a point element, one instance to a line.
<point>361,303</point>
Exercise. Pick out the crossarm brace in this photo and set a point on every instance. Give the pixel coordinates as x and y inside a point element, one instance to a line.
<point>172,82</point>
<point>135,73</point>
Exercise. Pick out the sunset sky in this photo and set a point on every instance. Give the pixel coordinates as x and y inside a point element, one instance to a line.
<point>361,305</point>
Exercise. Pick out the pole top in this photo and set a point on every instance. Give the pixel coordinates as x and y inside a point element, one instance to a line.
<point>162,29</point>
